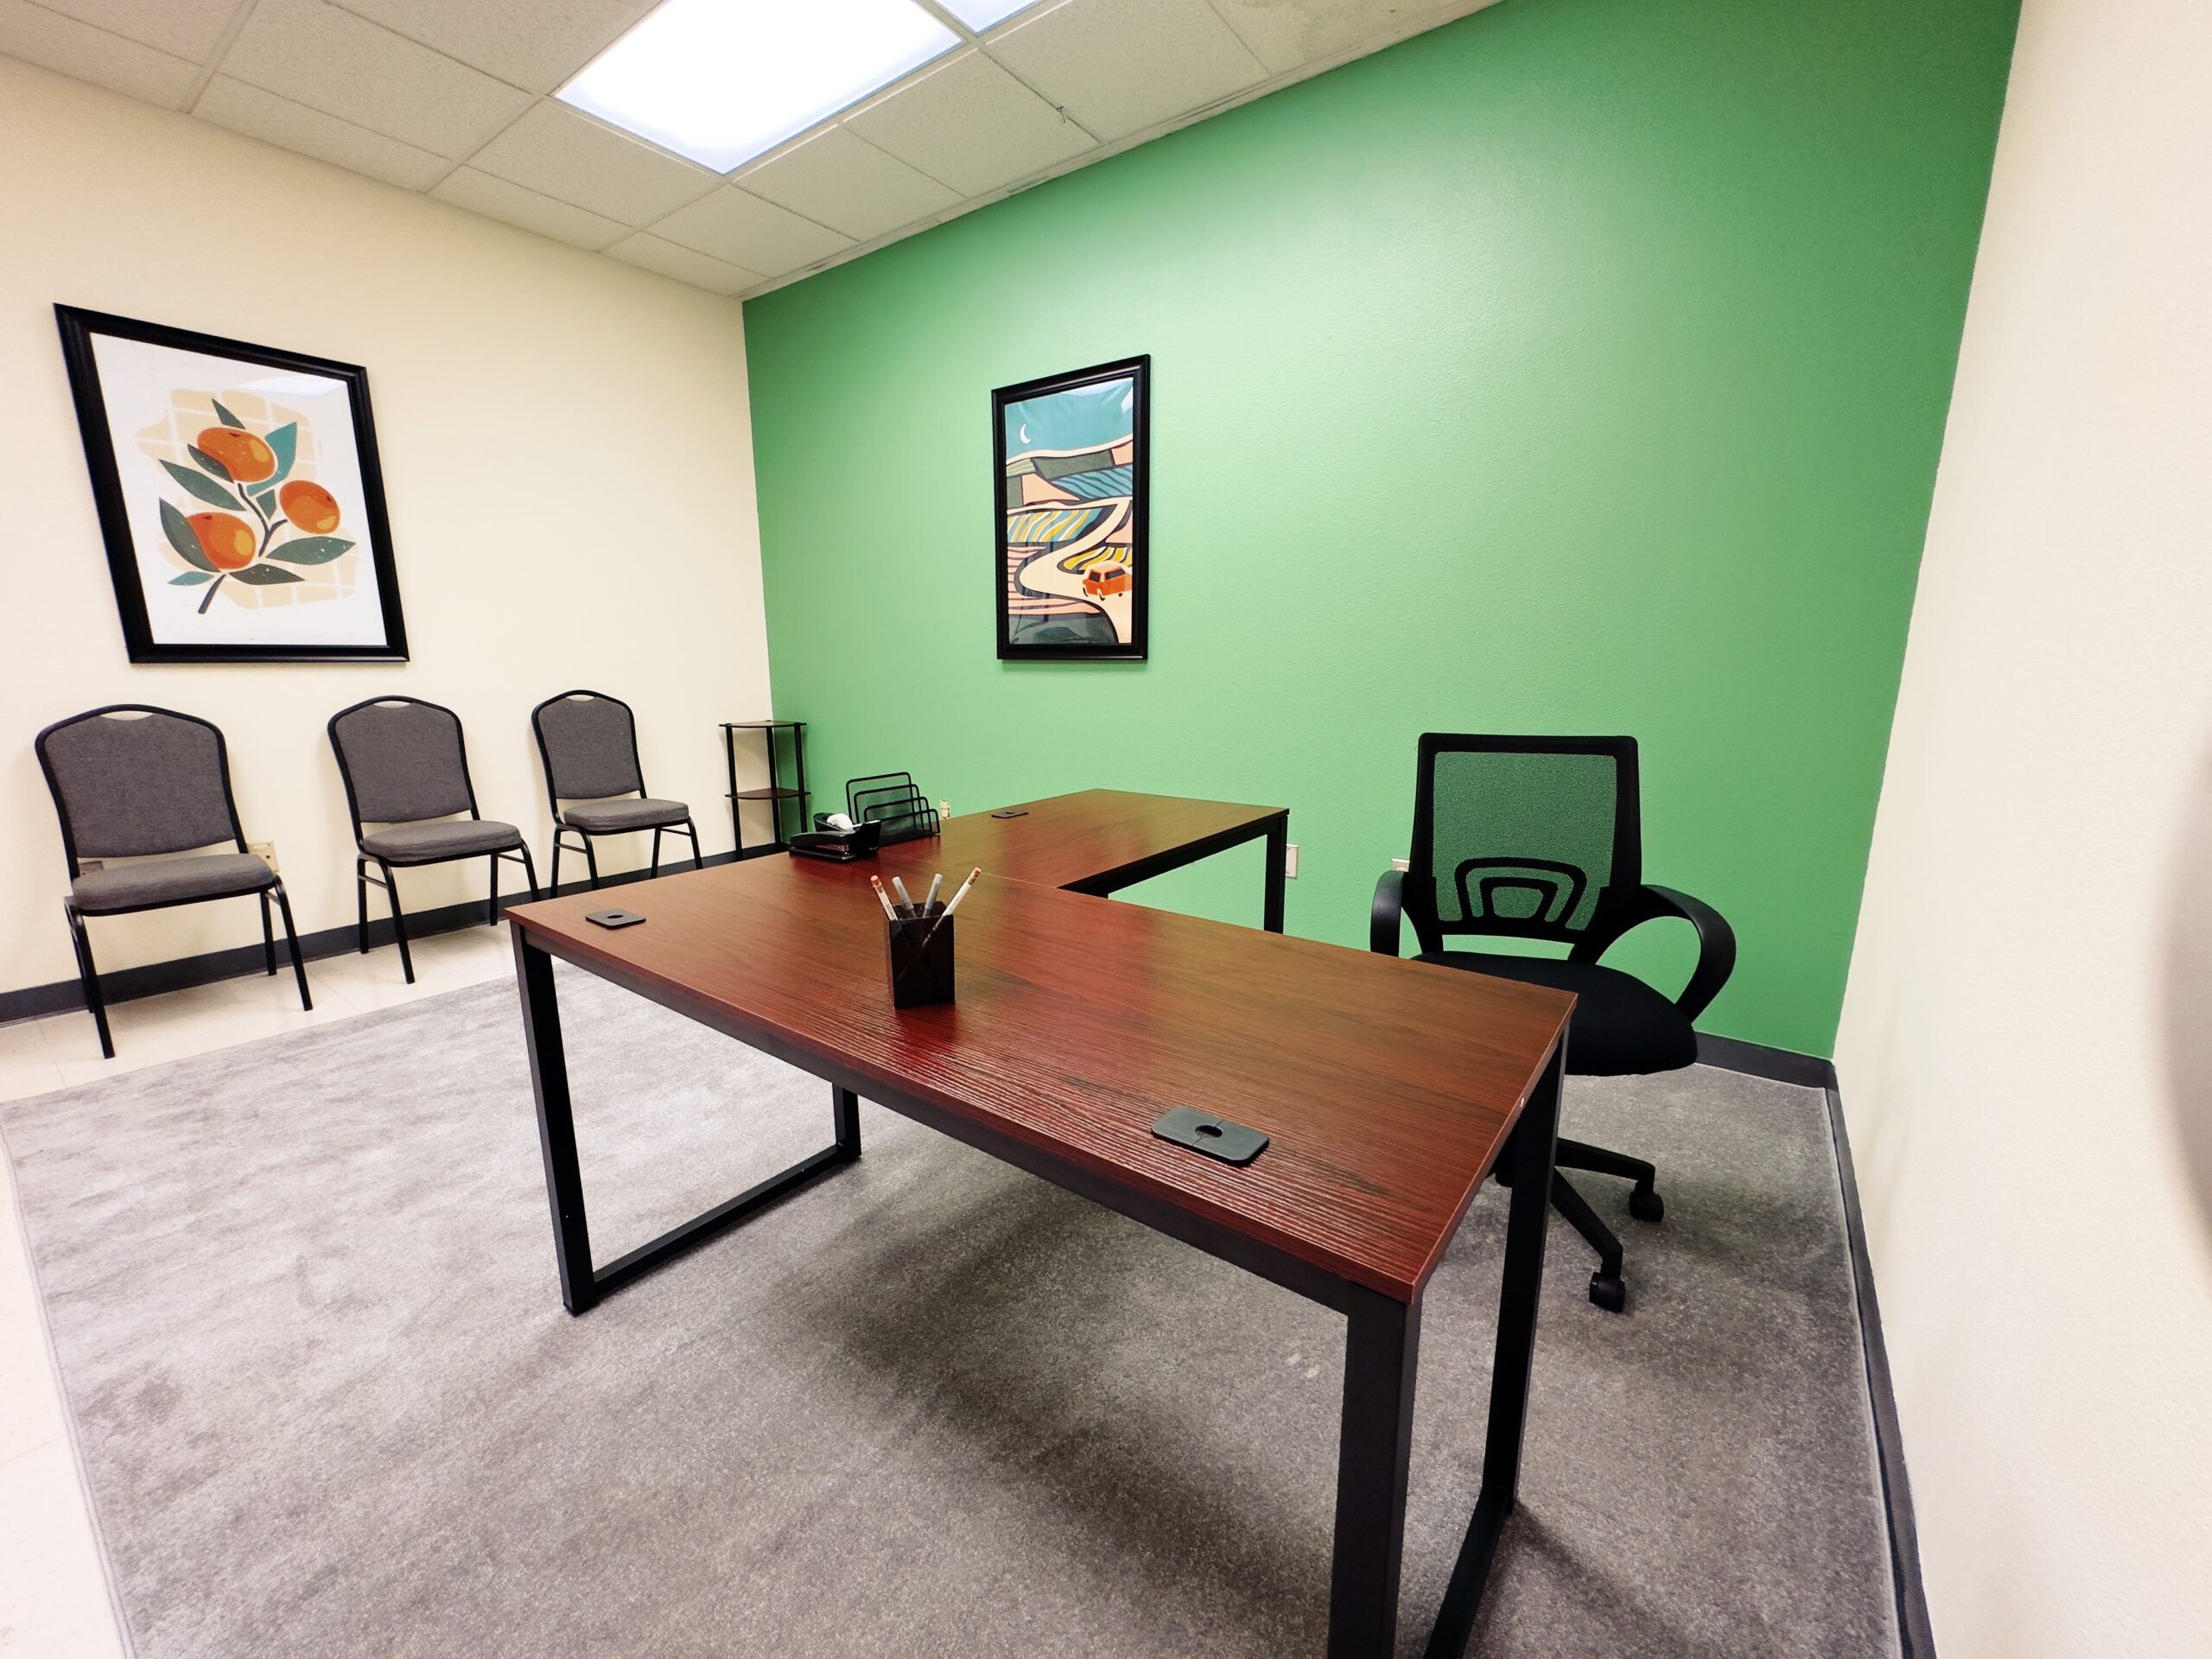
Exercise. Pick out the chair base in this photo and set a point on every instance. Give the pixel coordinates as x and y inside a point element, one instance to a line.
<point>88,973</point>
<point>585,837</point>
<point>362,879</point>
<point>1607,1289</point>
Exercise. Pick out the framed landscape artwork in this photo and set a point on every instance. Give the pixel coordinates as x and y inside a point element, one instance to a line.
<point>238,493</point>
<point>1073,458</point>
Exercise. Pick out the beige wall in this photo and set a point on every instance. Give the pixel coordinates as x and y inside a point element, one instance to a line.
<point>567,456</point>
<point>2024,1049</point>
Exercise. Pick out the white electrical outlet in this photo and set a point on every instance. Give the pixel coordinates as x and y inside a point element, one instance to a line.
<point>1403,866</point>
<point>265,851</point>
<point>1290,860</point>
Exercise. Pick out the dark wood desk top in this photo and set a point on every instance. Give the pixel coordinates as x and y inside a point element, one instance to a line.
<point>1386,1086</point>
<point>1100,837</point>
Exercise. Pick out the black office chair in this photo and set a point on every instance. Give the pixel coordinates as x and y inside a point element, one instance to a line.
<point>1540,838</point>
<point>131,780</point>
<point>588,742</point>
<point>405,768</point>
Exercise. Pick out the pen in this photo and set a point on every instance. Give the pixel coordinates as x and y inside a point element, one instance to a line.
<point>906,898</point>
<point>936,881</point>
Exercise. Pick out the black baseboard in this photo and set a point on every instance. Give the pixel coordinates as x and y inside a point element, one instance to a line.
<point>1915,1634</point>
<point>124,984</point>
<point>1757,1060</point>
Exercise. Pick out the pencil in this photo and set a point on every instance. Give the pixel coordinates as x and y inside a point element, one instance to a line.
<point>945,915</point>
<point>884,899</point>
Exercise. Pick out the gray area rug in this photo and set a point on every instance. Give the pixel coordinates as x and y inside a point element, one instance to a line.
<point>303,1293</point>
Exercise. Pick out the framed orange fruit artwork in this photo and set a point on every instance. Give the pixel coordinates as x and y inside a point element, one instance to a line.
<point>239,495</point>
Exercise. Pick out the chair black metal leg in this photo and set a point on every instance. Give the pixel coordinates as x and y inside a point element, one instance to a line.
<point>398,922</point>
<point>529,870</point>
<point>491,905</point>
<point>1643,1202</point>
<point>556,861</point>
<point>267,938</point>
<point>361,899</point>
<point>653,868</point>
<point>292,944</point>
<point>698,862</point>
<point>90,977</point>
<point>1606,1288</point>
<point>591,863</point>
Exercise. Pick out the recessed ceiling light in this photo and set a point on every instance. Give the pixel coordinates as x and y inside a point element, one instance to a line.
<point>722,81</point>
<point>980,14</point>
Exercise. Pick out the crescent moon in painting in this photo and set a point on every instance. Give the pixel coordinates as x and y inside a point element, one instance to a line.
<point>1025,432</point>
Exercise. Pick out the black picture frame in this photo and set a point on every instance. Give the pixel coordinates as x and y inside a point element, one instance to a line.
<point>1134,648</point>
<point>79,328</point>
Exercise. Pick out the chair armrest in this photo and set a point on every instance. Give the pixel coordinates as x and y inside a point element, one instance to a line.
<point>1389,910</point>
<point>1716,943</point>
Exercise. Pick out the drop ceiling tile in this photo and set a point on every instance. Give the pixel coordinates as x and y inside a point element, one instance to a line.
<point>571,157</point>
<point>1120,65</point>
<point>971,124</point>
<point>648,251</point>
<point>535,44</point>
<point>497,198</point>
<point>292,126</point>
<point>183,29</point>
<point>746,230</point>
<point>347,67</point>
<point>841,181</point>
<point>1287,34</point>
<point>69,47</point>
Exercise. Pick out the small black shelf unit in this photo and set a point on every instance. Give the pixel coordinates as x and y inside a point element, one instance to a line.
<point>776,794</point>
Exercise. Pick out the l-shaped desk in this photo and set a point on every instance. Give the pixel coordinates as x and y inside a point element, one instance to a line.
<point>1389,1090</point>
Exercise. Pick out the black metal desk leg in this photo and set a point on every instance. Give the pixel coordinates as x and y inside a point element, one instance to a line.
<point>1534,1142</point>
<point>1278,855</point>
<point>845,1116</point>
<point>556,1127</point>
<point>1381,1342</point>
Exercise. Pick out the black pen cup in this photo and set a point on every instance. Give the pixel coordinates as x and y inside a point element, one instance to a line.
<point>921,960</point>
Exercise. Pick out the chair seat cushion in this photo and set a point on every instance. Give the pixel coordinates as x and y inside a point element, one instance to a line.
<point>433,841</point>
<point>1622,1026</point>
<point>602,817</point>
<point>170,881</point>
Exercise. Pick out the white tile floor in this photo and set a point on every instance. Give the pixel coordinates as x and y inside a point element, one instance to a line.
<point>54,1593</point>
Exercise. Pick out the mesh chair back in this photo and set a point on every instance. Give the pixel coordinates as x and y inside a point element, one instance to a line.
<point>1535,837</point>
<point>131,780</point>
<point>402,759</point>
<point>589,743</point>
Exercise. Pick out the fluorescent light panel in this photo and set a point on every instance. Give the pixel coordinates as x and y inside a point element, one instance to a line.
<point>980,14</point>
<point>721,81</point>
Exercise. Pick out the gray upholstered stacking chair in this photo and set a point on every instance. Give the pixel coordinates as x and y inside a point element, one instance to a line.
<point>131,781</point>
<point>589,744</point>
<point>406,769</point>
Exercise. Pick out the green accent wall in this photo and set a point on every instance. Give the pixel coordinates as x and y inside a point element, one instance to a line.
<point>1581,366</point>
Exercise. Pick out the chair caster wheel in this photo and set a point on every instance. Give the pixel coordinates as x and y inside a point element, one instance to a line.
<point>1645,1203</point>
<point>1608,1292</point>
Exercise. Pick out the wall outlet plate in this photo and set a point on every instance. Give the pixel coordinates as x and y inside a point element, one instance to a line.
<point>1403,866</point>
<point>1290,860</point>
<point>265,851</point>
